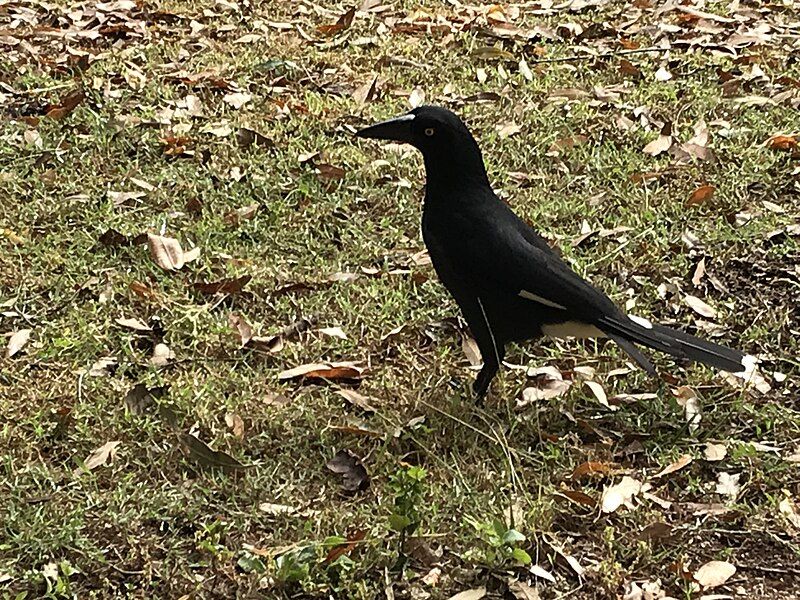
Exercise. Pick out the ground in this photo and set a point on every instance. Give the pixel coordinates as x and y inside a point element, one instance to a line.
<point>152,449</point>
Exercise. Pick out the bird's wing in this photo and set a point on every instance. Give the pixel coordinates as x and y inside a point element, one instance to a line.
<point>502,258</point>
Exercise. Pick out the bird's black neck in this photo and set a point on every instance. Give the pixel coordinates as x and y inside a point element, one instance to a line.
<point>461,169</point>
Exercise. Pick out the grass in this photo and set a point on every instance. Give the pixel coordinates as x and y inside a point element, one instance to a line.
<point>157,522</point>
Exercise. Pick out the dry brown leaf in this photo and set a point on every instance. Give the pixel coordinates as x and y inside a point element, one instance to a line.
<point>162,355</point>
<point>235,423</point>
<point>684,460</point>
<point>237,99</point>
<point>700,195</point>
<point>661,144</point>
<point>591,468</point>
<point>522,591</point>
<point>349,466</point>
<point>358,400</point>
<point>783,142</point>
<point>416,98</point>
<point>98,458</point>
<point>223,286</point>
<point>715,452</point>
<point>235,217</point>
<point>344,21</point>
<point>714,573</point>
<point>470,348</point>
<point>599,393</point>
<point>663,74</point>
<point>687,398</point>
<point>336,332</point>
<point>241,325</point>
<point>17,341</point>
<point>699,306</point>
<point>699,272</point>
<point>622,493</point>
<point>789,509</point>
<point>473,594</point>
<point>506,130</point>
<point>166,252</point>
<point>134,324</point>
<point>728,485</point>
<point>366,92</point>
<point>331,371</point>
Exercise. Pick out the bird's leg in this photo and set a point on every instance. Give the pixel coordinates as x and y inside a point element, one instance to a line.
<point>492,352</point>
<point>484,379</point>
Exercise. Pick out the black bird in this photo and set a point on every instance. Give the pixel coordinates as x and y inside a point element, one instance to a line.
<point>510,285</point>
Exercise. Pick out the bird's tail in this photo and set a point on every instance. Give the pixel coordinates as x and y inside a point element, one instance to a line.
<point>628,331</point>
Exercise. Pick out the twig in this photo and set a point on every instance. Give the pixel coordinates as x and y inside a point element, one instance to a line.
<point>601,55</point>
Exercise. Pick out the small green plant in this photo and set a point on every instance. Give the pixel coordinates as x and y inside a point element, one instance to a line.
<point>503,542</point>
<point>295,565</point>
<point>408,487</point>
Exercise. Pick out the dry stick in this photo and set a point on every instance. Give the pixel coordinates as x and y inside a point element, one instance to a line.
<point>602,55</point>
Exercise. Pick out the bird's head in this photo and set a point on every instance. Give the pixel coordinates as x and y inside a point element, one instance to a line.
<point>449,150</point>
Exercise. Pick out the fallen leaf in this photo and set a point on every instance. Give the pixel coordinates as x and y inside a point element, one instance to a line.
<point>506,130</point>
<point>550,384</point>
<point>342,23</point>
<point>162,355</point>
<point>699,306</point>
<point>684,460</point>
<point>714,573</point>
<point>98,458</point>
<point>578,497</point>
<point>366,92</point>
<point>715,452</point>
<point>661,144</point>
<point>357,400</point>
<point>350,544</point>
<point>17,341</point>
<point>470,349</point>
<point>622,493</point>
<point>354,475</point>
<point>431,578</point>
<point>688,400</point>
<point>473,594</point>
<point>599,393</point>
<point>538,571</point>
<point>202,454</point>
<point>782,142</point>
<point>223,286</point>
<point>522,591</point>
<point>728,485</point>
<point>591,468</point>
<point>237,99</point>
<point>134,324</point>
<point>700,195</point>
<point>235,423</point>
<point>235,217</point>
<point>140,397</point>
<point>663,75</point>
<point>66,105</point>
<point>788,508</point>
<point>699,272</point>
<point>165,251</point>
<point>330,371</point>
<point>273,509</point>
<point>244,328</point>
<point>102,367</point>
<point>416,98</point>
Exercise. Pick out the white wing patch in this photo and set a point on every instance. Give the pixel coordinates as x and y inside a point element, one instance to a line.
<point>574,329</point>
<point>641,321</point>
<point>528,295</point>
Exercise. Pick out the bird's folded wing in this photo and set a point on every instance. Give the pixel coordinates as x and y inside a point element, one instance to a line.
<point>512,265</point>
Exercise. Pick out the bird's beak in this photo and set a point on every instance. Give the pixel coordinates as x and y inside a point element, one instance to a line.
<point>397,129</point>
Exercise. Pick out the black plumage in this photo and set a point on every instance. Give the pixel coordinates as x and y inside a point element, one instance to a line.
<point>510,285</point>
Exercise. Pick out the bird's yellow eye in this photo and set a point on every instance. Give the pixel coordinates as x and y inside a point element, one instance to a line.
<point>429,131</point>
